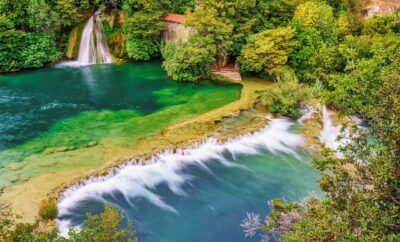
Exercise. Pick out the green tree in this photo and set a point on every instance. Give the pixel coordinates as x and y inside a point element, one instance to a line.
<point>179,6</point>
<point>143,30</point>
<point>285,98</point>
<point>317,15</point>
<point>352,90</point>
<point>104,228</point>
<point>189,61</point>
<point>347,23</point>
<point>268,51</point>
<point>37,50</point>
<point>272,13</point>
<point>67,12</point>
<point>215,30</point>
<point>16,12</point>
<point>40,17</point>
<point>10,42</point>
<point>378,25</point>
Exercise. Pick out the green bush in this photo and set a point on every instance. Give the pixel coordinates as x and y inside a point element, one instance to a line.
<point>19,49</point>
<point>104,227</point>
<point>285,98</point>
<point>143,32</point>
<point>188,62</point>
<point>107,226</point>
<point>48,209</point>
<point>268,51</point>
<point>378,25</point>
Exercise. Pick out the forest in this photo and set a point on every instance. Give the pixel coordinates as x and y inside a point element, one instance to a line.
<point>326,50</point>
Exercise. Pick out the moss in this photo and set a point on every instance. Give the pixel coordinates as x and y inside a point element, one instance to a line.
<point>114,34</point>
<point>74,41</point>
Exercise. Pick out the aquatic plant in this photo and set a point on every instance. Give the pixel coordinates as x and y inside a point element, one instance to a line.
<point>48,209</point>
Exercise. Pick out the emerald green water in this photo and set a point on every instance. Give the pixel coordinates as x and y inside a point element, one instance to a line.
<point>48,116</point>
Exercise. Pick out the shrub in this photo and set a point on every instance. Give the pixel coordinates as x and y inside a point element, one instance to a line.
<point>268,51</point>
<point>104,227</point>
<point>48,209</point>
<point>188,62</point>
<point>285,98</point>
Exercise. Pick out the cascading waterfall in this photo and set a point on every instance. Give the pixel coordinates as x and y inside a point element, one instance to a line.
<point>330,133</point>
<point>93,48</point>
<point>168,168</point>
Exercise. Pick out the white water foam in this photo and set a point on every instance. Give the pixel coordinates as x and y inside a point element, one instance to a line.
<point>166,168</point>
<point>93,49</point>
<point>87,50</point>
<point>330,133</point>
<point>307,114</point>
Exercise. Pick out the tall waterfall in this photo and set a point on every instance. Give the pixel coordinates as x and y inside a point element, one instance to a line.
<point>93,48</point>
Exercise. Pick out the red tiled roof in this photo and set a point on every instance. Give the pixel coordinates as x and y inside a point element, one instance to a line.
<point>174,18</point>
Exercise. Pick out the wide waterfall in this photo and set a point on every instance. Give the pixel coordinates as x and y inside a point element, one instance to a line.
<point>93,48</point>
<point>213,178</point>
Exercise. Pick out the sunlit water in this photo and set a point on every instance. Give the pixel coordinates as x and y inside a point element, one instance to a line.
<point>202,193</point>
<point>66,108</point>
<point>199,194</point>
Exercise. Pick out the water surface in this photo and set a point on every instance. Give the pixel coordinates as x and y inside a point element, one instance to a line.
<point>47,112</point>
<point>201,194</point>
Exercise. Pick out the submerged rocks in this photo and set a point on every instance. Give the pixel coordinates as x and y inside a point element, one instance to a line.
<point>59,149</point>
<point>91,144</point>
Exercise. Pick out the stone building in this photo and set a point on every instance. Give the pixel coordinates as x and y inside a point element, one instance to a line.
<point>176,31</point>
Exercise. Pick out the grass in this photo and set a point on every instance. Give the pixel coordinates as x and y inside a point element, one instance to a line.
<point>48,209</point>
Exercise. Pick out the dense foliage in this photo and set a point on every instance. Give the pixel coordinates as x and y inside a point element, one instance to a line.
<point>268,51</point>
<point>105,227</point>
<point>142,31</point>
<point>357,64</point>
<point>225,27</point>
<point>19,49</point>
<point>362,188</point>
<point>285,98</point>
<point>33,33</point>
<point>187,61</point>
<point>354,62</point>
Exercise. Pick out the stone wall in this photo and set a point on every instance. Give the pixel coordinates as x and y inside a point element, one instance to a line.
<point>176,32</point>
<point>380,7</point>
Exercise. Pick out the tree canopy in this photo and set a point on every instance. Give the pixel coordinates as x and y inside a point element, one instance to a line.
<point>268,51</point>
<point>351,60</point>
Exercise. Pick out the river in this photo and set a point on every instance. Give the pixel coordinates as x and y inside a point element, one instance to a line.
<point>59,122</point>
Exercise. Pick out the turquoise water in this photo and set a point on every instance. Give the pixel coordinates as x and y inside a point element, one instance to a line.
<point>52,117</point>
<point>32,101</point>
<point>201,194</point>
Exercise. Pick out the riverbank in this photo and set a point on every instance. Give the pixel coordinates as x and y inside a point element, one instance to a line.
<point>24,198</point>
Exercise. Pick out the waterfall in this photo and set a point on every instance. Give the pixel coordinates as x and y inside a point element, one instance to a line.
<point>93,48</point>
<point>134,181</point>
<point>329,132</point>
<point>87,48</point>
